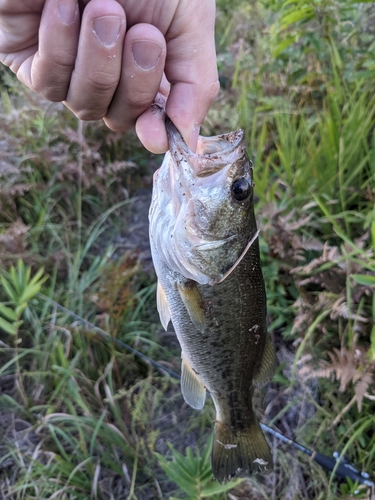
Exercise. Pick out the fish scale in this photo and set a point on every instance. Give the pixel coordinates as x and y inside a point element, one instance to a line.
<point>210,285</point>
<point>230,336</point>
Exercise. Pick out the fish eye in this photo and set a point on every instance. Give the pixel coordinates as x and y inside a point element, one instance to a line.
<point>241,189</point>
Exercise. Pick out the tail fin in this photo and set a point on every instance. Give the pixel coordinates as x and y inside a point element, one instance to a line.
<point>245,451</point>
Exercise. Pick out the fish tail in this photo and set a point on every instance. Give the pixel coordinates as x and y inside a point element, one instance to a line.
<point>239,451</point>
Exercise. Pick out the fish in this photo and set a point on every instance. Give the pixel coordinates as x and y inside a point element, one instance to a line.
<point>205,250</point>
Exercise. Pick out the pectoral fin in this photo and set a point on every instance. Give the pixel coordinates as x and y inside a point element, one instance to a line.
<point>163,307</point>
<point>192,389</point>
<point>192,299</point>
<point>268,365</point>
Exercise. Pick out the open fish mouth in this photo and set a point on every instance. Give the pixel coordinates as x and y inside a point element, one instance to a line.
<point>219,145</point>
<point>213,153</point>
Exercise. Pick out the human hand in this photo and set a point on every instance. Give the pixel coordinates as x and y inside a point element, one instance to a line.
<point>113,59</point>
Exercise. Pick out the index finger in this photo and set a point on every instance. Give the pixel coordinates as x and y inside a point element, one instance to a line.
<point>191,67</point>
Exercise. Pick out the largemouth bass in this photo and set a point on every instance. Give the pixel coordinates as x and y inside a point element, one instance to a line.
<point>205,250</point>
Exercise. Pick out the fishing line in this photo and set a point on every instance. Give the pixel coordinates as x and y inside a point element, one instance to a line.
<point>339,466</point>
<point>107,336</point>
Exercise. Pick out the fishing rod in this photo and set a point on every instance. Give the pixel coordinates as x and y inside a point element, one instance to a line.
<point>340,466</point>
<point>341,470</point>
<point>108,336</point>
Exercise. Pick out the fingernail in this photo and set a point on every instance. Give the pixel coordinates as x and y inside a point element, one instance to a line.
<point>67,10</point>
<point>146,54</point>
<point>107,29</point>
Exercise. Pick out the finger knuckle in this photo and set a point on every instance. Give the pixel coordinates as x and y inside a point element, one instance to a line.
<point>101,84</point>
<point>6,59</point>
<point>214,90</point>
<point>51,76</point>
<point>89,114</point>
<point>51,86</point>
<point>117,125</point>
<point>6,6</point>
<point>52,92</point>
<point>5,47</point>
<point>139,99</point>
<point>60,61</point>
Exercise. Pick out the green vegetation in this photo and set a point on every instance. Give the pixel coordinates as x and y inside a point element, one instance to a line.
<point>193,474</point>
<point>83,418</point>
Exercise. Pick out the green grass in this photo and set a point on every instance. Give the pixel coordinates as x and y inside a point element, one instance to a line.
<point>83,417</point>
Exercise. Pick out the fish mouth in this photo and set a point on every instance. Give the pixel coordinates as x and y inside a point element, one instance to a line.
<point>213,153</point>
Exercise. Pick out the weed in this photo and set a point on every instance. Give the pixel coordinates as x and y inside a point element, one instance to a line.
<point>193,474</point>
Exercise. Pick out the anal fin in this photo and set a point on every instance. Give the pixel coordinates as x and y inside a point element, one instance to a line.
<point>193,301</point>
<point>163,307</point>
<point>268,365</point>
<point>192,389</point>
